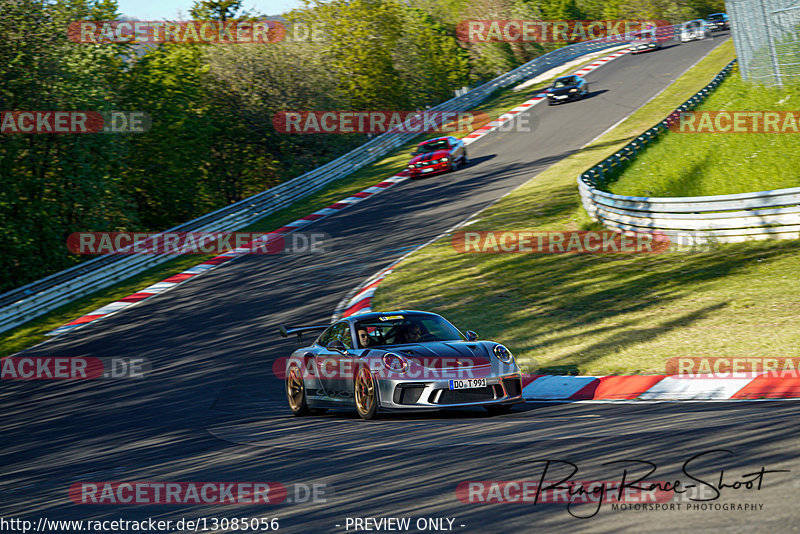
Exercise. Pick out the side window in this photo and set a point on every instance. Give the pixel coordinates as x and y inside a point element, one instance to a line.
<point>343,334</point>
<point>326,337</point>
<point>340,331</point>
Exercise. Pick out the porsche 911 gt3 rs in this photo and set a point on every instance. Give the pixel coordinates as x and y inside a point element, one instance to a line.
<point>396,361</point>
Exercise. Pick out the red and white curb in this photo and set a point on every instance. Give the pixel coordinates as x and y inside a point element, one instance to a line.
<point>361,302</point>
<point>600,62</point>
<point>737,386</point>
<point>528,104</point>
<point>177,279</point>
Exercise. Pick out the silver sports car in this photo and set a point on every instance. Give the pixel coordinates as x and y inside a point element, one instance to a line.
<point>402,360</point>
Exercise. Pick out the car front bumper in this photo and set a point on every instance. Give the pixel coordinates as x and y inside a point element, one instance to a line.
<point>564,98</point>
<point>436,394</point>
<point>432,169</point>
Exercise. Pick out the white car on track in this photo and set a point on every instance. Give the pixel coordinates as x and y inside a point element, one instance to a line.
<point>695,30</point>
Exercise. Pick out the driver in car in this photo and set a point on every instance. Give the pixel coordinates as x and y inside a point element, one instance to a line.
<point>414,333</point>
<point>364,340</point>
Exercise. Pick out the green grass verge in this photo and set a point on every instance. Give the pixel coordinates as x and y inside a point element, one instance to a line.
<point>607,314</point>
<point>34,331</point>
<point>719,164</point>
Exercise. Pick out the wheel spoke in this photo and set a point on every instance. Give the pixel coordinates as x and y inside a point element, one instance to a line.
<point>294,386</point>
<point>365,391</point>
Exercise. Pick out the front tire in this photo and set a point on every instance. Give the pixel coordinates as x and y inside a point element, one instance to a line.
<point>365,394</point>
<point>296,392</point>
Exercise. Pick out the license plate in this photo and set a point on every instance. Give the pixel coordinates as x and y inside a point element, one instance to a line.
<point>426,170</point>
<point>468,383</point>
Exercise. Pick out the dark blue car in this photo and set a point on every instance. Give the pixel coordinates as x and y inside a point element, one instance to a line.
<point>566,89</point>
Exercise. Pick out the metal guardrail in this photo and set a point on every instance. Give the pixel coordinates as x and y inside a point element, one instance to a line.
<point>722,218</point>
<point>40,297</point>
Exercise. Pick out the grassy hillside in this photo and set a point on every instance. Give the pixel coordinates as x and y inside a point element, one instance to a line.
<point>720,163</point>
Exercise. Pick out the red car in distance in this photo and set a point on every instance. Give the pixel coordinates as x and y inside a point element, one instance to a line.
<point>438,155</point>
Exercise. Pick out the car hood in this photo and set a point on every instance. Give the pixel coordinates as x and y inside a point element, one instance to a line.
<point>445,354</point>
<point>427,156</point>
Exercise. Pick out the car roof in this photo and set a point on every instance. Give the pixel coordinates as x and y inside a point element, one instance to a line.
<point>374,315</point>
<point>434,139</point>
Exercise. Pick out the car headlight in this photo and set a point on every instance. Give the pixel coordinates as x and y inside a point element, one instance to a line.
<point>503,354</point>
<point>443,160</point>
<point>573,90</point>
<point>395,363</point>
<point>411,166</point>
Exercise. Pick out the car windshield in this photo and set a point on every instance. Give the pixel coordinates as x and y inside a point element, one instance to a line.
<point>405,328</point>
<point>564,82</point>
<point>718,16</point>
<point>432,146</point>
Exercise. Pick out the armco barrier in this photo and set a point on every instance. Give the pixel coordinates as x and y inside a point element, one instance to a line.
<point>690,220</point>
<point>40,297</point>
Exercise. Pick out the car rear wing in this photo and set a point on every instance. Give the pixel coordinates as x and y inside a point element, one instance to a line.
<point>299,331</point>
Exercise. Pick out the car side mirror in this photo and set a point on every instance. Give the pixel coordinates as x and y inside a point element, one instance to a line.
<point>471,336</point>
<point>337,346</point>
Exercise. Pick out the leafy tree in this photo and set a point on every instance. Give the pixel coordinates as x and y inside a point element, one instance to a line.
<point>223,10</point>
<point>166,163</point>
<point>361,36</point>
<point>429,61</point>
<point>54,184</point>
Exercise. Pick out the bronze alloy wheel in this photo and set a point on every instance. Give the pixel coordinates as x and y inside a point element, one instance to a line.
<point>365,394</point>
<point>296,391</point>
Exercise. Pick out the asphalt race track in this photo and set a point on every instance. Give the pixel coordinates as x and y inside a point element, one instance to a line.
<point>210,409</point>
